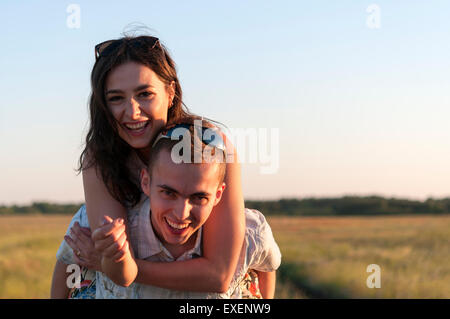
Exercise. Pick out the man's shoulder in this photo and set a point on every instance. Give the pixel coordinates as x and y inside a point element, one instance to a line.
<point>261,250</point>
<point>142,207</point>
<point>255,220</point>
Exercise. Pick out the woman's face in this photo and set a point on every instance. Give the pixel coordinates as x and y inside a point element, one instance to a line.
<point>139,101</point>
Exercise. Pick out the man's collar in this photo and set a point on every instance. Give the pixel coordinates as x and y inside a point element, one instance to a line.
<point>148,243</point>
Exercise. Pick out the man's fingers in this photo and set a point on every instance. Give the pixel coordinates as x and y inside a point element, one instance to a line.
<point>81,262</point>
<point>71,243</point>
<point>79,237</point>
<point>84,230</point>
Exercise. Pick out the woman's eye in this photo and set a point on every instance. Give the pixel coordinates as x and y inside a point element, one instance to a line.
<point>114,98</point>
<point>145,94</point>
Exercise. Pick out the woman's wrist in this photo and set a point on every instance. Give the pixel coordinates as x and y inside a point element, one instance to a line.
<point>122,272</point>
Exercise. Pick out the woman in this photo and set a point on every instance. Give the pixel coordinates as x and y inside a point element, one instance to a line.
<point>135,92</point>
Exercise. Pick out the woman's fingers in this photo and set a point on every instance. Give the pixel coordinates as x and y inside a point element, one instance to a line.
<point>107,229</point>
<point>102,244</point>
<point>110,239</point>
<point>116,246</point>
<point>121,253</point>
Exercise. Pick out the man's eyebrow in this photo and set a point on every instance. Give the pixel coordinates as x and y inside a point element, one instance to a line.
<point>163,186</point>
<point>139,88</point>
<point>205,194</point>
<point>166,187</point>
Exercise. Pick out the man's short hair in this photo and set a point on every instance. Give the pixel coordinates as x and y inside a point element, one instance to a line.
<point>190,125</point>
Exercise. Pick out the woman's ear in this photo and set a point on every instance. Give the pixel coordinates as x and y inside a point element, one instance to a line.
<point>145,181</point>
<point>219,193</point>
<point>171,91</point>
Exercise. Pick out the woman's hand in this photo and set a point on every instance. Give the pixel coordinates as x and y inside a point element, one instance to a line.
<point>83,247</point>
<point>110,240</point>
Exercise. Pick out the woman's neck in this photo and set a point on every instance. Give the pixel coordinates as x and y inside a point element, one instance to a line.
<point>143,154</point>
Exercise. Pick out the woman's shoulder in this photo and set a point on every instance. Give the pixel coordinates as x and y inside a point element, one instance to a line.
<point>135,165</point>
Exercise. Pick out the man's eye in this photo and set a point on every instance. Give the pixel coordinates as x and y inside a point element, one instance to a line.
<point>167,193</point>
<point>200,200</point>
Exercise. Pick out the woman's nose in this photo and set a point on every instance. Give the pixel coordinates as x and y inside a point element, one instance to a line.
<point>134,110</point>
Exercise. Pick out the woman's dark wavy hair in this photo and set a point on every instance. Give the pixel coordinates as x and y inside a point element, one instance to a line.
<point>104,148</point>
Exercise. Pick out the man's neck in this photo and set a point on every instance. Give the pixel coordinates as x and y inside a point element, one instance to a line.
<point>177,250</point>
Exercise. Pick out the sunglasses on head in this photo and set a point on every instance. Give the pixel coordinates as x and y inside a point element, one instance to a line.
<point>210,136</point>
<point>144,42</point>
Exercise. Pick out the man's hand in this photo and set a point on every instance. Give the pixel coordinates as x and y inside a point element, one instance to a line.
<point>83,248</point>
<point>110,239</point>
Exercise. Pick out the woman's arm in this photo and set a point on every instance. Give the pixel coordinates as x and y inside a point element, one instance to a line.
<point>98,204</point>
<point>223,235</point>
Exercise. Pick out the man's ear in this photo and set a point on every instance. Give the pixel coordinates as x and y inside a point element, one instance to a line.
<point>219,193</point>
<point>145,181</point>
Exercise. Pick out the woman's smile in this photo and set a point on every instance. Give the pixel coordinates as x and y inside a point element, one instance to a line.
<point>136,128</point>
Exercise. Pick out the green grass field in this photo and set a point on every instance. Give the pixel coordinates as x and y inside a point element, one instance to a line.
<point>328,257</point>
<point>323,257</point>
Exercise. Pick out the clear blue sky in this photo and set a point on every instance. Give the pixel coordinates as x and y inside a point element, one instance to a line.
<point>359,110</point>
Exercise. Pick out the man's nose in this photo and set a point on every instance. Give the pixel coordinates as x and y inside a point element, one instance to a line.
<point>183,209</point>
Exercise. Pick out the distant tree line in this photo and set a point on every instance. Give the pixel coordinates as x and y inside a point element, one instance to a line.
<point>40,208</point>
<point>350,205</point>
<point>341,206</point>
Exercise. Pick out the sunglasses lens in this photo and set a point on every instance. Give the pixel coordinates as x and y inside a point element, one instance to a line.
<point>105,48</point>
<point>145,42</point>
<point>210,136</point>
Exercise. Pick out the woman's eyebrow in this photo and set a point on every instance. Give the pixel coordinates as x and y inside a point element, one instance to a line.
<point>139,88</point>
<point>143,87</point>
<point>112,91</point>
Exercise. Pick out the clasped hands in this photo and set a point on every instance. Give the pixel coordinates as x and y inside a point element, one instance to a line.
<point>108,241</point>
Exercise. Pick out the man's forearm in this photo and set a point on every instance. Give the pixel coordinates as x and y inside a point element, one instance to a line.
<point>59,289</point>
<point>267,282</point>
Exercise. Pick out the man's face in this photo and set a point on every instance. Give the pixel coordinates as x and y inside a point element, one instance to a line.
<point>182,197</point>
